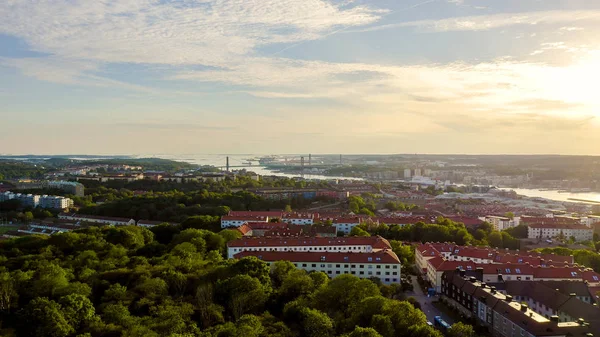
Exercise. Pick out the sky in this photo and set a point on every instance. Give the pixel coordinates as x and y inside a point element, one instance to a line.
<point>291,76</point>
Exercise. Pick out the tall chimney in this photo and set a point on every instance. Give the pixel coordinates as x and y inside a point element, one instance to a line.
<point>227,165</point>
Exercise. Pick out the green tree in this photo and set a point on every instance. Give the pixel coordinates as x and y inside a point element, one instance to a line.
<point>363,332</point>
<point>495,239</point>
<point>28,216</point>
<point>242,294</point>
<point>315,323</point>
<point>43,317</point>
<point>460,329</point>
<point>357,231</point>
<point>77,310</point>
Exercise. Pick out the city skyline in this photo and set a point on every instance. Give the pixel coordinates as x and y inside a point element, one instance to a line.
<point>283,76</point>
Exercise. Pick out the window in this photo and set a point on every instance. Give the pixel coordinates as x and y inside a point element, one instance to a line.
<point>394,273</point>
<point>378,273</point>
<point>508,270</point>
<point>361,273</point>
<point>518,270</point>
<point>322,266</point>
<point>337,265</point>
<point>574,273</point>
<point>314,265</point>
<point>378,266</point>
<point>361,266</point>
<point>387,267</point>
<point>387,280</point>
<point>304,265</point>
<point>595,278</point>
<point>337,272</point>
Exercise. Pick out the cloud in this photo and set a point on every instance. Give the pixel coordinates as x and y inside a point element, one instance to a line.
<point>494,21</point>
<point>208,32</point>
<point>165,125</point>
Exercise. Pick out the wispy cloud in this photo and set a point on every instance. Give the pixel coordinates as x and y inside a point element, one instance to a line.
<point>494,21</point>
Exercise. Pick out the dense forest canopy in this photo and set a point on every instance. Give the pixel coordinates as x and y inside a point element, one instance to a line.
<point>174,281</point>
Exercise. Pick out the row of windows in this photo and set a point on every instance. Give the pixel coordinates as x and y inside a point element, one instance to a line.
<point>324,249</point>
<point>360,266</point>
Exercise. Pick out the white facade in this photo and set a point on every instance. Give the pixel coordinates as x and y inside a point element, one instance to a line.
<point>227,221</point>
<point>299,221</point>
<point>580,233</point>
<point>32,200</point>
<point>387,273</point>
<point>345,227</point>
<point>231,251</point>
<point>100,220</point>
<point>55,202</point>
<point>501,223</point>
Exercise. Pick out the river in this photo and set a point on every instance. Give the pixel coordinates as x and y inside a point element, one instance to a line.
<point>238,161</point>
<point>556,195</point>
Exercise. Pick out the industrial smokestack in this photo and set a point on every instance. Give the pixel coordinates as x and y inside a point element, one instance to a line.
<point>227,164</point>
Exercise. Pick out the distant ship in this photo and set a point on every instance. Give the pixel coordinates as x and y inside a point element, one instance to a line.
<point>268,160</point>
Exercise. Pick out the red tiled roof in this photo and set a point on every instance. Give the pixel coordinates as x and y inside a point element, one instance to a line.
<point>558,272</point>
<point>299,216</point>
<point>440,264</point>
<point>591,277</point>
<point>347,220</point>
<point>559,226</point>
<point>273,214</point>
<point>507,269</point>
<point>385,257</point>
<point>243,218</point>
<point>546,220</point>
<point>373,241</point>
<point>474,252</point>
<point>467,221</point>
<point>402,220</point>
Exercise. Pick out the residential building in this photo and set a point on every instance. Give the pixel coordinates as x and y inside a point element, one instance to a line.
<point>308,244</point>
<point>299,218</point>
<point>33,201</point>
<point>382,264</point>
<point>237,221</point>
<point>97,219</point>
<point>505,317</point>
<point>70,187</point>
<point>55,202</point>
<point>345,225</point>
<point>501,223</point>
<point>150,224</point>
<point>549,231</point>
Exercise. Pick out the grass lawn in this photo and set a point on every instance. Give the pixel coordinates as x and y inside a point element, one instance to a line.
<point>4,229</point>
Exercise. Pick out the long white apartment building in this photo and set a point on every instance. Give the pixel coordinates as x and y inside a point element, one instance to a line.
<point>34,200</point>
<point>112,221</point>
<point>383,264</point>
<point>308,244</point>
<point>549,231</point>
<point>237,221</point>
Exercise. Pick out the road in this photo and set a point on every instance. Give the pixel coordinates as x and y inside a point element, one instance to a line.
<point>425,301</point>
